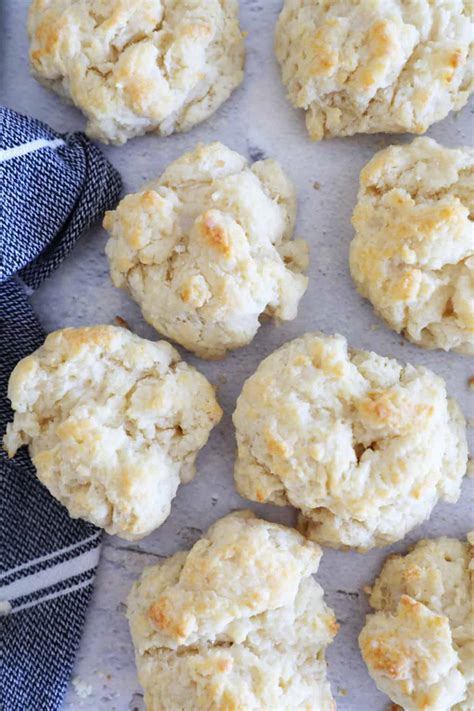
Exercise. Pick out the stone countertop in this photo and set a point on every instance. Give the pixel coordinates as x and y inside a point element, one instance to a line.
<point>256,121</point>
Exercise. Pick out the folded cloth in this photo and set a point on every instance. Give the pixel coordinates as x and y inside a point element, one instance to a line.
<point>52,188</point>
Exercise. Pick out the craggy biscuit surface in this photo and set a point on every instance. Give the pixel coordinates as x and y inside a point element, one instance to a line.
<point>364,66</point>
<point>419,643</point>
<point>236,623</point>
<point>207,249</point>
<point>134,66</point>
<point>363,446</point>
<point>413,253</point>
<point>113,423</point>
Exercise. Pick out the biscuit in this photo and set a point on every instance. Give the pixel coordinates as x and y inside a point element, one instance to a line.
<point>418,645</point>
<point>238,622</point>
<point>113,424</point>
<point>363,446</point>
<point>413,253</point>
<point>207,249</point>
<point>375,65</point>
<point>135,66</point>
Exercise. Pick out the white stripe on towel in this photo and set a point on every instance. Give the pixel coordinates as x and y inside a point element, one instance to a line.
<point>50,576</point>
<point>51,596</point>
<point>48,556</point>
<point>30,147</point>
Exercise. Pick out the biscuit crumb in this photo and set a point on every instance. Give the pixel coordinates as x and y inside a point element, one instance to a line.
<point>470,468</point>
<point>5,608</point>
<point>82,688</point>
<point>122,323</point>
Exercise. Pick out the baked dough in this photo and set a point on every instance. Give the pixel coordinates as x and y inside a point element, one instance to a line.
<point>366,66</point>
<point>363,446</point>
<point>236,623</point>
<point>413,253</point>
<point>207,249</point>
<point>134,66</point>
<point>419,643</point>
<point>113,424</point>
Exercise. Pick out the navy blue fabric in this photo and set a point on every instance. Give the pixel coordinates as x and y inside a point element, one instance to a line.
<point>48,197</point>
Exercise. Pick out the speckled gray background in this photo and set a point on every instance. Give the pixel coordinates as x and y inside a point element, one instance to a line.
<point>257,121</point>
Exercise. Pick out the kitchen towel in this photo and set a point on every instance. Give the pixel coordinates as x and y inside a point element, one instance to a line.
<point>52,188</point>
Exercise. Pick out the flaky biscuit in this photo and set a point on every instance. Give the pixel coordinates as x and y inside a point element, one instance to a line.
<point>413,253</point>
<point>363,446</point>
<point>207,249</point>
<point>236,623</point>
<point>113,424</point>
<point>135,66</point>
<point>375,65</point>
<point>419,643</point>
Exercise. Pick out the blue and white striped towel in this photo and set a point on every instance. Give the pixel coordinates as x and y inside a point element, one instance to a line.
<point>52,188</point>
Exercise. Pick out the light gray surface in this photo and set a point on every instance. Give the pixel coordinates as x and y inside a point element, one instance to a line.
<point>256,120</point>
